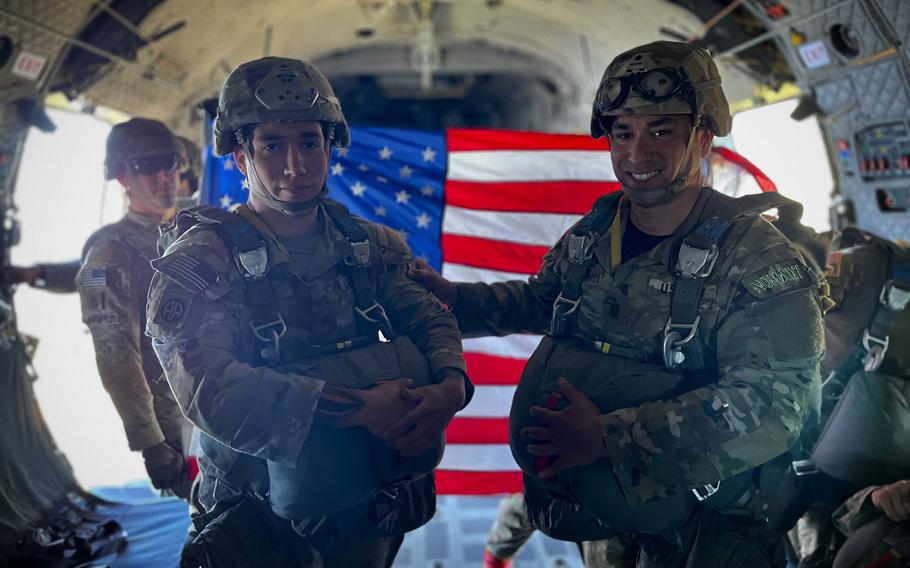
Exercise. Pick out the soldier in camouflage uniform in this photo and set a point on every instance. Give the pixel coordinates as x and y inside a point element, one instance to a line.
<point>740,353</point>
<point>113,283</point>
<point>308,395</point>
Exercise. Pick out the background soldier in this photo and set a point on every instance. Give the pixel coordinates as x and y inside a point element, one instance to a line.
<point>113,282</point>
<point>684,338</point>
<point>291,336</point>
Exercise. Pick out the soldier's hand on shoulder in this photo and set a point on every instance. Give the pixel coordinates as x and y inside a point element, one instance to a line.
<point>445,290</point>
<point>418,431</point>
<point>572,435</point>
<point>893,500</point>
<point>166,466</point>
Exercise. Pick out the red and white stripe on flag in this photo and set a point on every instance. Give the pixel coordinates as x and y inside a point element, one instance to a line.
<point>509,197</point>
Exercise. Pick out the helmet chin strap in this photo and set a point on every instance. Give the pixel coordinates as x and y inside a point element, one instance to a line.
<point>655,197</point>
<point>292,208</point>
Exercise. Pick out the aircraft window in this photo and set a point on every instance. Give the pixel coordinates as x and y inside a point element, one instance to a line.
<point>844,40</point>
<point>6,50</point>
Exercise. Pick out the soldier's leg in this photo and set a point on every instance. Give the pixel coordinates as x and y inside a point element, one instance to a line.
<point>511,529</point>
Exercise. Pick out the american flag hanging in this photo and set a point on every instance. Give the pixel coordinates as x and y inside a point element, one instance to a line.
<point>479,205</point>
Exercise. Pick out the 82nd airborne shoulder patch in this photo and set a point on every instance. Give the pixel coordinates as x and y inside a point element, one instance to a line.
<point>777,278</point>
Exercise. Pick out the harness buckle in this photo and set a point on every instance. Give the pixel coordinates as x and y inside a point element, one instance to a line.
<point>580,248</point>
<point>804,467</point>
<point>558,319</point>
<point>894,297</point>
<point>360,254</point>
<point>271,333</point>
<point>702,493</point>
<point>695,262</point>
<point>875,350</point>
<point>381,319</point>
<point>675,336</point>
<point>254,262</point>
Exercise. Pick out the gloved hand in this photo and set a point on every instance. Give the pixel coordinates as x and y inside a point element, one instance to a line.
<point>166,467</point>
<point>382,405</point>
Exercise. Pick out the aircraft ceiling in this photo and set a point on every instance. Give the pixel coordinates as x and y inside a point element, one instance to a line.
<point>542,56</point>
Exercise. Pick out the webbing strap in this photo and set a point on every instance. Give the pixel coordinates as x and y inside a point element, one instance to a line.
<point>357,267</point>
<point>581,243</point>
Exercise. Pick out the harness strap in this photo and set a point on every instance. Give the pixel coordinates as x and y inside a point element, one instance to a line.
<point>357,266</point>
<point>581,242</point>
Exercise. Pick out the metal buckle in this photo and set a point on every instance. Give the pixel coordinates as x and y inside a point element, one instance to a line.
<point>875,350</point>
<point>360,254</point>
<point>254,262</point>
<point>695,262</point>
<point>558,319</point>
<point>674,339</point>
<point>894,297</point>
<point>709,489</point>
<point>804,467</point>
<point>277,329</point>
<point>382,319</point>
<point>580,248</point>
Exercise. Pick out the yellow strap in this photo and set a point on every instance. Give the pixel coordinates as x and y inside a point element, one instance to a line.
<point>616,236</point>
<point>266,231</point>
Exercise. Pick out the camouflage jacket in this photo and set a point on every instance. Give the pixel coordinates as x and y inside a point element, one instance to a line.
<point>761,330</point>
<point>113,285</point>
<point>200,322</point>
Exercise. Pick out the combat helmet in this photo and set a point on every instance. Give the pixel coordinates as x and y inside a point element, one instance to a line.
<point>138,138</point>
<point>276,89</point>
<point>663,77</point>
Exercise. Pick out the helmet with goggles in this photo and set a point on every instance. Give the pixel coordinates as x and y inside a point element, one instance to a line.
<point>663,77</point>
<point>276,89</point>
<point>141,145</point>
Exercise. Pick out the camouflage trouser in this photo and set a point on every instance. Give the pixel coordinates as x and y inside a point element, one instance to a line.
<point>512,529</point>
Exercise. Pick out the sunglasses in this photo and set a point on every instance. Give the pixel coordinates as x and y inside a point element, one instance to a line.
<point>151,165</point>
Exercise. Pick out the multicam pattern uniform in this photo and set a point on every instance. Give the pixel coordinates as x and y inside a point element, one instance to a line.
<point>113,286</point>
<point>761,331</point>
<point>200,322</point>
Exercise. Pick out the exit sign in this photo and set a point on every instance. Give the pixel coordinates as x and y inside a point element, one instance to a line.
<point>29,66</point>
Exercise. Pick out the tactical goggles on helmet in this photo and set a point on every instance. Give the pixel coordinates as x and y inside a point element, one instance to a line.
<point>151,165</point>
<point>656,86</point>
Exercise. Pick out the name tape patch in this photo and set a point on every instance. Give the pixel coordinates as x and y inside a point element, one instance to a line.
<point>777,278</point>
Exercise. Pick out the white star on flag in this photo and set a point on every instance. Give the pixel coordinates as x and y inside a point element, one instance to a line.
<point>380,211</point>
<point>405,171</point>
<point>228,165</point>
<point>402,197</point>
<point>358,189</point>
<point>429,154</point>
<point>382,179</point>
<point>363,168</point>
<point>423,220</point>
<point>337,169</point>
<point>245,184</point>
<point>427,191</point>
<point>385,153</point>
<point>343,152</point>
<point>226,201</point>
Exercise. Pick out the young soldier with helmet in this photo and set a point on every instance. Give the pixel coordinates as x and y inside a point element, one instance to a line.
<point>683,339</point>
<point>113,283</point>
<point>321,376</point>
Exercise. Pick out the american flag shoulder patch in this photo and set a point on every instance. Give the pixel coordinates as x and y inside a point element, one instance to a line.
<point>93,278</point>
<point>188,272</point>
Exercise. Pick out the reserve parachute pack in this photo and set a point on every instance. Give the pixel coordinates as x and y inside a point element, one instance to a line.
<point>866,438</point>
<point>588,500</point>
<point>340,469</point>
